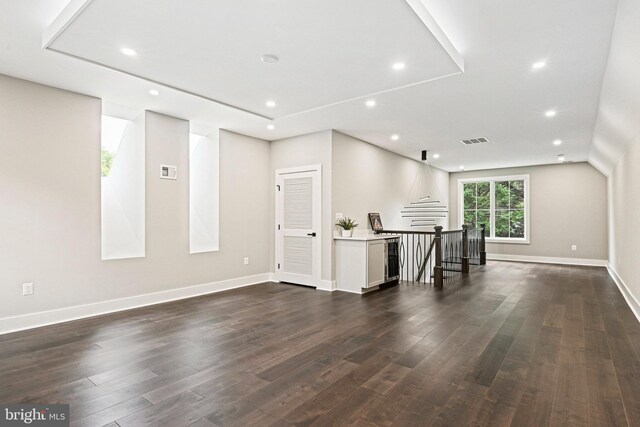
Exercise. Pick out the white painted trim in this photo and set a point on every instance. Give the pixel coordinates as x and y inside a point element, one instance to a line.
<point>492,207</point>
<point>298,169</point>
<point>327,285</point>
<point>350,291</point>
<point>548,260</point>
<point>44,318</point>
<point>63,20</point>
<point>507,240</point>
<point>427,19</point>
<point>632,302</point>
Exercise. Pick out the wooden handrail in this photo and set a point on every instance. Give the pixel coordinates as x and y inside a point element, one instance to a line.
<point>461,246</point>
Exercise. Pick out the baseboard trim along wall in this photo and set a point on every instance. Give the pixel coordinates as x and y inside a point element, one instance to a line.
<point>44,318</point>
<point>327,285</point>
<point>548,260</point>
<point>632,302</point>
<point>324,285</point>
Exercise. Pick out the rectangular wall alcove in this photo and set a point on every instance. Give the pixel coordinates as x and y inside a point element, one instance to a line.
<point>123,187</point>
<point>204,193</point>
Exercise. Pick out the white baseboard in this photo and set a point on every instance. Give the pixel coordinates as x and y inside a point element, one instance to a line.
<point>327,285</point>
<point>44,318</point>
<point>548,260</point>
<point>632,302</point>
<point>350,291</point>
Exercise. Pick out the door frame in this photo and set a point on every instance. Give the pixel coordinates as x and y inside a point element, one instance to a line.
<point>317,194</point>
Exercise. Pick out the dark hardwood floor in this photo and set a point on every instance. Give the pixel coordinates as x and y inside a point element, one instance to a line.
<point>514,344</point>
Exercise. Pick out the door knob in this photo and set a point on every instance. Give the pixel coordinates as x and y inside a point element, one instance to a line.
<point>312,234</point>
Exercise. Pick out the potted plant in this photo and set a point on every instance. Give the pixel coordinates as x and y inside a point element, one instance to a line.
<point>347,225</point>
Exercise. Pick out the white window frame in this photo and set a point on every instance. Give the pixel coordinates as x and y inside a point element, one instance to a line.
<point>492,180</point>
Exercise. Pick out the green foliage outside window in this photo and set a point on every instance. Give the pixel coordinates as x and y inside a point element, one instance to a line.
<point>509,218</point>
<point>106,162</point>
<point>477,205</point>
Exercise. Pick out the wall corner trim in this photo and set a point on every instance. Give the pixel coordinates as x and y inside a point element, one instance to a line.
<point>548,260</point>
<point>632,302</point>
<point>50,317</point>
<point>327,285</point>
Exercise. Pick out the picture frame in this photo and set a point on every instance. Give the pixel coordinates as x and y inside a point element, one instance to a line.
<point>375,221</point>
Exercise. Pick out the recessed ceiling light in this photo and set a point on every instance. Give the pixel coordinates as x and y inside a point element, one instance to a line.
<point>461,167</point>
<point>395,137</point>
<point>550,113</point>
<point>270,104</point>
<point>370,103</point>
<point>154,92</point>
<point>269,59</point>
<point>557,142</point>
<point>128,51</point>
<point>399,66</point>
<point>436,156</point>
<point>538,65</point>
<point>270,127</point>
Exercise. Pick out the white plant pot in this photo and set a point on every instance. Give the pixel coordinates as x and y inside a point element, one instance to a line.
<point>347,233</point>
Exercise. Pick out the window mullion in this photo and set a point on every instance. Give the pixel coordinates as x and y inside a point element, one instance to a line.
<point>509,205</point>
<point>492,208</point>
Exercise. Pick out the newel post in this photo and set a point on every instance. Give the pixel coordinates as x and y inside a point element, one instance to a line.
<point>465,249</point>
<point>438,277</point>
<point>483,250</point>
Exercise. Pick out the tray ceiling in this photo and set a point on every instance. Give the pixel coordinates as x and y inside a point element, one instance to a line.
<point>342,50</point>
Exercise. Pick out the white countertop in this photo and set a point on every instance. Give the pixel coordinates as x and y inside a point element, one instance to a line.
<point>368,237</point>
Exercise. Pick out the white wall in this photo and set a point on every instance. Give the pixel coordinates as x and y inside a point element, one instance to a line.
<point>50,198</point>
<point>617,126</point>
<point>624,185</point>
<point>357,178</point>
<point>312,149</point>
<point>568,206</point>
<point>616,148</point>
<point>367,178</point>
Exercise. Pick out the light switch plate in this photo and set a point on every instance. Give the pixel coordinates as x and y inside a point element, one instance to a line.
<point>168,172</point>
<point>27,289</point>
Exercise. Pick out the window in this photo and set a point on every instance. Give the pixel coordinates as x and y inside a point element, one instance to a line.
<point>501,203</point>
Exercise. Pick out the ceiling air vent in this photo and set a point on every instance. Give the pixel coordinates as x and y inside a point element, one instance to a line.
<point>474,141</point>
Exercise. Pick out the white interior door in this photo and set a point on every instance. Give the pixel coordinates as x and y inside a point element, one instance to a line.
<point>298,233</point>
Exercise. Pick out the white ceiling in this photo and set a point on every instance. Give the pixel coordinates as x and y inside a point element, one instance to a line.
<point>332,55</point>
<point>330,51</point>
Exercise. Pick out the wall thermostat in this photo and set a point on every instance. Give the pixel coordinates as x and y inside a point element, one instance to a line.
<point>168,172</point>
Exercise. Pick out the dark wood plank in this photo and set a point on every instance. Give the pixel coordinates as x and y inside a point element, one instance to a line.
<point>512,344</point>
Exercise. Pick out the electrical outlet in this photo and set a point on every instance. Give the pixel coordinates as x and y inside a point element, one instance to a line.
<point>27,289</point>
<point>574,248</point>
<point>246,260</point>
